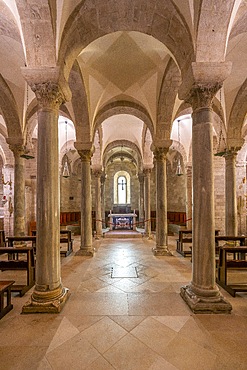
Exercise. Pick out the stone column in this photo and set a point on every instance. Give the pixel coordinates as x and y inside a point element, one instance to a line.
<point>49,294</point>
<point>97,174</point>
<point>189,197</point>
<point>161,248</point>
<point>147,173</point>
<point>141,200</point>
<point>202,294</point>
<point>231,221</point>
<point>102,190</point>
<point>86,248</point>
<point>19,188</point>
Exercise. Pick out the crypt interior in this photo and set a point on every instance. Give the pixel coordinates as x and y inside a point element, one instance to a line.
<point>122,126</point>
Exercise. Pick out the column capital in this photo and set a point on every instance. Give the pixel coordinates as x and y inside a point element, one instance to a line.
<point>16,146</point>
<point>97,172</point>
<point>85,155</point>
<point>48,84</point>
<point>201,96</point>
<point>160,153</point>
<point>203,75</point>
<point>49,94</point>
<point>147,171</point>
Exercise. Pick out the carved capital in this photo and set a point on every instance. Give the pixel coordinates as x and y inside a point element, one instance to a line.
<point>141,177</point>
<point>160,154</point>
<point>97,173</point>
<point>85,155</point>
<point>201,96</point>
<point>147,171</point>
<point>17,150</point>
<point>48,94</point>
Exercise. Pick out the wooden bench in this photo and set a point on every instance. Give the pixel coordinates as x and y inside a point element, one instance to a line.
<point>185,237</point>
<point>225,264</point>
<point>5,292</point>
<point>14,263</point>
<point>65,237</point>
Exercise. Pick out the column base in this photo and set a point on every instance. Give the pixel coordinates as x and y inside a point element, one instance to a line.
<point>85,252</point>
<point>44,302</point>
<point>159,251</point>
<point>205,304</point>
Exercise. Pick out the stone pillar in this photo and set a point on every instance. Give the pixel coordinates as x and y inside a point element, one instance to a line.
<point>49,294</point>
<point>97,174</point>
<point>141,200</point>
<point>231,221</point>
<point>189,197</point>
<point>102,190</point>
<point>147,173</point>
<point>19,188</point>
<point>161,248</point>
<point>202,294</point>
<point>86,248</point>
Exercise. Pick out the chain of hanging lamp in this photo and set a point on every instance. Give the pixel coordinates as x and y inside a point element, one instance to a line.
<point>66,172</point>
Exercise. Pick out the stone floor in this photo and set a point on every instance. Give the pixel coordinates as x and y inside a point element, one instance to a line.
<point>124,313</point>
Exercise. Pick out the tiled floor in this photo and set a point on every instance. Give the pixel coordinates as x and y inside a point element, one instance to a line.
<point>124,313</point>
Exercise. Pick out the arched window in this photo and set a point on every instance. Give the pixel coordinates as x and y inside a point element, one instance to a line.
<point>121,187</point>
<point>122,190</point>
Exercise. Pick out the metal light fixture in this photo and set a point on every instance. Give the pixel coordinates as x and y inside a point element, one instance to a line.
<point>179,171</point>
<point>66,172</point>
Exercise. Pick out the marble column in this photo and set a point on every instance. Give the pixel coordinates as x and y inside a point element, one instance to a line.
<point>231,221</point>
<point>97,174</point>
<point>19,188</point>
<point>49,295</point>
<point>141,200</point>
<point>86,248</point>
<point>189,197</point>
<point>161,248</point>
<point>202,294</point>
<point>102,190</point>
<point>147,208</point>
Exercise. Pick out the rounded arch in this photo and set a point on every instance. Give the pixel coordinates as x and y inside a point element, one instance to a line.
<point>120,143</point>
<point>123,107</point>
<point>91,20</point>
<point>9,110</point>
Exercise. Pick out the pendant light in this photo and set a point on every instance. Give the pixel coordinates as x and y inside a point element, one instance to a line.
<point>179,171</point>
<point>66,172</point>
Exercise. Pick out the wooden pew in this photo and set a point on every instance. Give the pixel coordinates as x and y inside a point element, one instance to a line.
<point>225,264</point>
<point>185,237</point>
<point>5,292</point>
<point>65,237</point>
<point>27,264</point>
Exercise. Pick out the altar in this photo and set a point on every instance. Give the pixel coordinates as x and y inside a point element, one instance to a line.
<point>122,221</point>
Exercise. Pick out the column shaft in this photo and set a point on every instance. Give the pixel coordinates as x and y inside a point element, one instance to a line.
<point>231,224</point>
<point>141,200</point>
<point>49,295</point>
<point>98,204</point>
<point>202,294</point>
<point>161,203</point>
<point>147,208</point>
<point>19,194</point>
<point>86,248</point>
<point>189,197</point>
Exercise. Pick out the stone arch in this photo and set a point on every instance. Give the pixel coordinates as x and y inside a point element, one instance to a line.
<point>9,110</point>
<point>168,92</point>
<point>80,105</point>
<point>124,107</point>
<point>93,19</point>
<point>126,143</point>
<point>237,115</point>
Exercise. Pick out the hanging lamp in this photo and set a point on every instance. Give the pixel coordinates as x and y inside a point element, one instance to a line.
<point>179,171</point>
<point>66,172</point>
